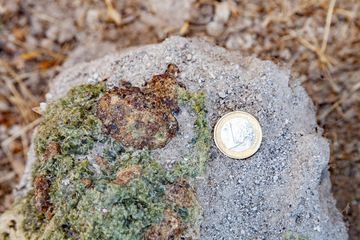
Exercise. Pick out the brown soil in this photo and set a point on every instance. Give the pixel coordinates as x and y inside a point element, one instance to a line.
<point>318,39</point>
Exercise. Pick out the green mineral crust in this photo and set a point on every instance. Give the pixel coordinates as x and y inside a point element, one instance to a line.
<point>96,177</point>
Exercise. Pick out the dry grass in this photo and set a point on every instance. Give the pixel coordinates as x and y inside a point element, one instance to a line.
<point>318,39</point>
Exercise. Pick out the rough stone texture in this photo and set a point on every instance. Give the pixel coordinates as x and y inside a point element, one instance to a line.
<point>284,189</point>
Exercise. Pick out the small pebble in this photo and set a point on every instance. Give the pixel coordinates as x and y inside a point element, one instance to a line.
<point>222,94</point>
<point>215,29</point>
<point>31,42</point>
<point>36,26</point>
<point>4,106</point>
<point>67,31</point>
<point>92,18</point>
<point>222,12</point>
<point>47,43</point>
<point>52,32</point>
<point>42,107</point>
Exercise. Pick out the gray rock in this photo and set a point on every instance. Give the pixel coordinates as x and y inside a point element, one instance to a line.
<point>67,31</point>
<point>222,12</point>
<point>160,15</point>
<point>281,191</point>
<point>214,28</point>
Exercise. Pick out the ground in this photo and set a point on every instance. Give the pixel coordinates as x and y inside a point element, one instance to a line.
<point>318,40</point>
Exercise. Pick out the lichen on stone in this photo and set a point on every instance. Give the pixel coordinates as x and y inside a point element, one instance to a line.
<point>124,192</point>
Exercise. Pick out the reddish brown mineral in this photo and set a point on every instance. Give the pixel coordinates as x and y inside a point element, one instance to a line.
<point>142,117</point>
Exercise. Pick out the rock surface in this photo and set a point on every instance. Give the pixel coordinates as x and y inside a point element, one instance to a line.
<point>283,190</point>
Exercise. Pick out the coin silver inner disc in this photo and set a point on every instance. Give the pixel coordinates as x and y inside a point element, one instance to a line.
<point>238,134</point>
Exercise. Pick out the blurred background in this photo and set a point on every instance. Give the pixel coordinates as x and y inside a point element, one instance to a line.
<point>318,39</point>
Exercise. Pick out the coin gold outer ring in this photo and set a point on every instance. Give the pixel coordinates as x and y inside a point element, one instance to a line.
<point>234,154</point>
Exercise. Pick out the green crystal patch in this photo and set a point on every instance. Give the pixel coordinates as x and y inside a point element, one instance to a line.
<point>120,194</point>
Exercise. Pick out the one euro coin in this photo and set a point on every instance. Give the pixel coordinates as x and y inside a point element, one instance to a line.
<point>238,135</point>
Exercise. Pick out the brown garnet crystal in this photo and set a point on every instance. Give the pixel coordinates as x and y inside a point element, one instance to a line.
<point>142,117</point>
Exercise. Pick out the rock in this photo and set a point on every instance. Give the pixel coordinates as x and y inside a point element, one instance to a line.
<point>222,12</point>
<point>281,192</point>
<point>215,29</point>
<point>92,18</point>
<point>37,26</point>
<point>240,41</point>
<point>160,15</point>
<point>47,43</point>
<point>52,32</point>
<point>203,14</point>
<point>67,31</point>
<point>9,7</point>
